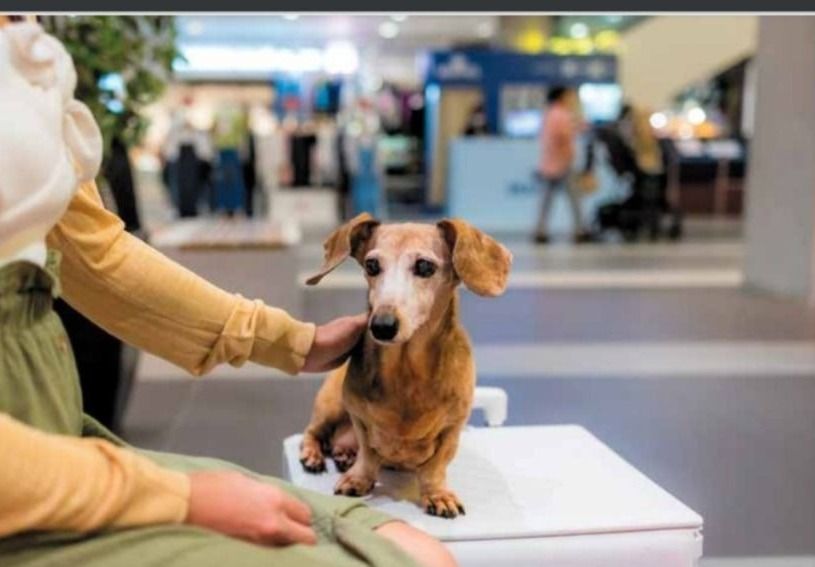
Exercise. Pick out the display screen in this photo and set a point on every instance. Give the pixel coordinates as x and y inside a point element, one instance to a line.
<point>522,107</point>
<point>522,123</point>
<point>600,102</point>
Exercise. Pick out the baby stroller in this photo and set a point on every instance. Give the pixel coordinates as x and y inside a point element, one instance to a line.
<point>647,206</point>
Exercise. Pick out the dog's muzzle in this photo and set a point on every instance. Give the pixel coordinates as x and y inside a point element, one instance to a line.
<point>384,327</point>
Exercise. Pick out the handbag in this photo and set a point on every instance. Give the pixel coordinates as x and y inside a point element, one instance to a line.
<point>586,182</point>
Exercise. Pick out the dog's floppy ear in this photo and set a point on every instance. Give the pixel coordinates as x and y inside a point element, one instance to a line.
<point>478,260</point>
<point>347,240</point>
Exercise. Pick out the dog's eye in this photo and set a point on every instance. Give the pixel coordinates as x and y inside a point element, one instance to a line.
<point>424,268</point>
<point>372,267</point>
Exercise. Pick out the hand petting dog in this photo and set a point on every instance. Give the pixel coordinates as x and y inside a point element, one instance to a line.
<point>333,341</point>
<point>406,393</point>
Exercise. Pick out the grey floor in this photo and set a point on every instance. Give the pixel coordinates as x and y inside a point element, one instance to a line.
<point>708,389</point>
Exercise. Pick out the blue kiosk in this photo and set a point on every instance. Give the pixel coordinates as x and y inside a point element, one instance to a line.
<point>489,179</point>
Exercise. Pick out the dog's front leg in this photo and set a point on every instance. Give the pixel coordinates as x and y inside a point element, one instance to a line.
<point>359,480</point>
<point>437,499</point>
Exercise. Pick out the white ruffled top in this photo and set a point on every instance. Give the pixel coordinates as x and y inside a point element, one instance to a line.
<point>49,142</point>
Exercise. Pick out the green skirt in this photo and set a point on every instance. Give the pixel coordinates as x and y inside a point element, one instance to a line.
<point>39,386</point>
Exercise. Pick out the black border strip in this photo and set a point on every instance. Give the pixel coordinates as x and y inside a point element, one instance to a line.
<point>409,6</point>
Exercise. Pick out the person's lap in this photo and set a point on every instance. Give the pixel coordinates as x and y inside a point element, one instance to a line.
<point>344,528</point>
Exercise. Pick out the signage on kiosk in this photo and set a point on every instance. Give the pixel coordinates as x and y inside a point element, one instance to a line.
<point>459,68</point>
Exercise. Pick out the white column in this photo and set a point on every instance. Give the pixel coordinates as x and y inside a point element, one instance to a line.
<point>780,217</point>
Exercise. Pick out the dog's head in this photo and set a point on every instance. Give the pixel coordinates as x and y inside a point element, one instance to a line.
<point>412,269</point>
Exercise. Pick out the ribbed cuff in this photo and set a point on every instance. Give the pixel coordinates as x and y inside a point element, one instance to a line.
<point>281,340</point>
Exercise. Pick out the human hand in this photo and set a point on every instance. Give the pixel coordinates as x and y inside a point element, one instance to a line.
<point>235,505</point>
<point>333,341</point>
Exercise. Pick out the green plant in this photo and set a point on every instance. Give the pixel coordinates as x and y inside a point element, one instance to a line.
<point>123,64</point>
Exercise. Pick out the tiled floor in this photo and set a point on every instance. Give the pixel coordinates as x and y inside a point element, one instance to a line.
<point>707,388</point>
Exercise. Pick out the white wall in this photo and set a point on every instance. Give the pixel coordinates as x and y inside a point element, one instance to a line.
<point>664,54</point>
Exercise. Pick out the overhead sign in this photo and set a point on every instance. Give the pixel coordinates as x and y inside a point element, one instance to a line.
<point>489,67</point>
<point>459,67</point>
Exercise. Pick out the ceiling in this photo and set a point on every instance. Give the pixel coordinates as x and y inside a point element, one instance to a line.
<point>228,47</point>
<point>315,31</point>
<point>249,47</point>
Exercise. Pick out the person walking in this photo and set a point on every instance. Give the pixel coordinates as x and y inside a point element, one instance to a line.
<point>557,138</point>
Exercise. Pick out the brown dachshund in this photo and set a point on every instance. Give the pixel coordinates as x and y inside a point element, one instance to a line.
<point>404,396</point>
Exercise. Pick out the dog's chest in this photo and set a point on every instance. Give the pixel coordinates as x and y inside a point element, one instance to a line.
<point>391,405</point>
<point>402,413</point>
<point>403,435</point>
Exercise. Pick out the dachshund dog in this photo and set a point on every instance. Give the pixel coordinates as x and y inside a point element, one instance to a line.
<point>405,394</point>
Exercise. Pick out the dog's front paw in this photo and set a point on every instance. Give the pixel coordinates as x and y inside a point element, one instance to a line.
<point>311,457</point>
<point>442,503</point>
<point>353,485</point>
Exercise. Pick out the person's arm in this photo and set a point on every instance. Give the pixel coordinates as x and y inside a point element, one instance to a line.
<point>56,482</point>
<point>139,295</point>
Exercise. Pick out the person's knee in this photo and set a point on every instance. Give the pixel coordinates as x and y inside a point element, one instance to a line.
<point>425,549</point>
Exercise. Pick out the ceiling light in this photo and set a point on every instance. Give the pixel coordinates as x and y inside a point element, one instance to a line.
<point>696,116</point>
<point>658,120</point>
<point>388,30</point>
<point>531,41</point>
<point>579,30</point>
<point>340,58</point>
<point>195,27</point>
<point>484,29</point>
<point>398,17</point>
<point>607,40</point>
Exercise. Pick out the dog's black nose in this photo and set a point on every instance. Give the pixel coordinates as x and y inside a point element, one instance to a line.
<point>384,327</point>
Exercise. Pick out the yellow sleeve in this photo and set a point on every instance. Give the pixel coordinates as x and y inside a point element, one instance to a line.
<point>139,295</point>
<point>56,482</point>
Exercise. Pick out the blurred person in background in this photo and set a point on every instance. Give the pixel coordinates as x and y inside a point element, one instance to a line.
<point>650,183</point>
<point>635,129</point>
<point>269,156</point>
<point>343,172</point>
<point>187,153</point>
<point>560,127</point>
<point>229,135</point>
<point>477,122</point>
<point>364,160</point>
<point>249,165</point>
<point>302,143</point>
<point>325,155</point>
